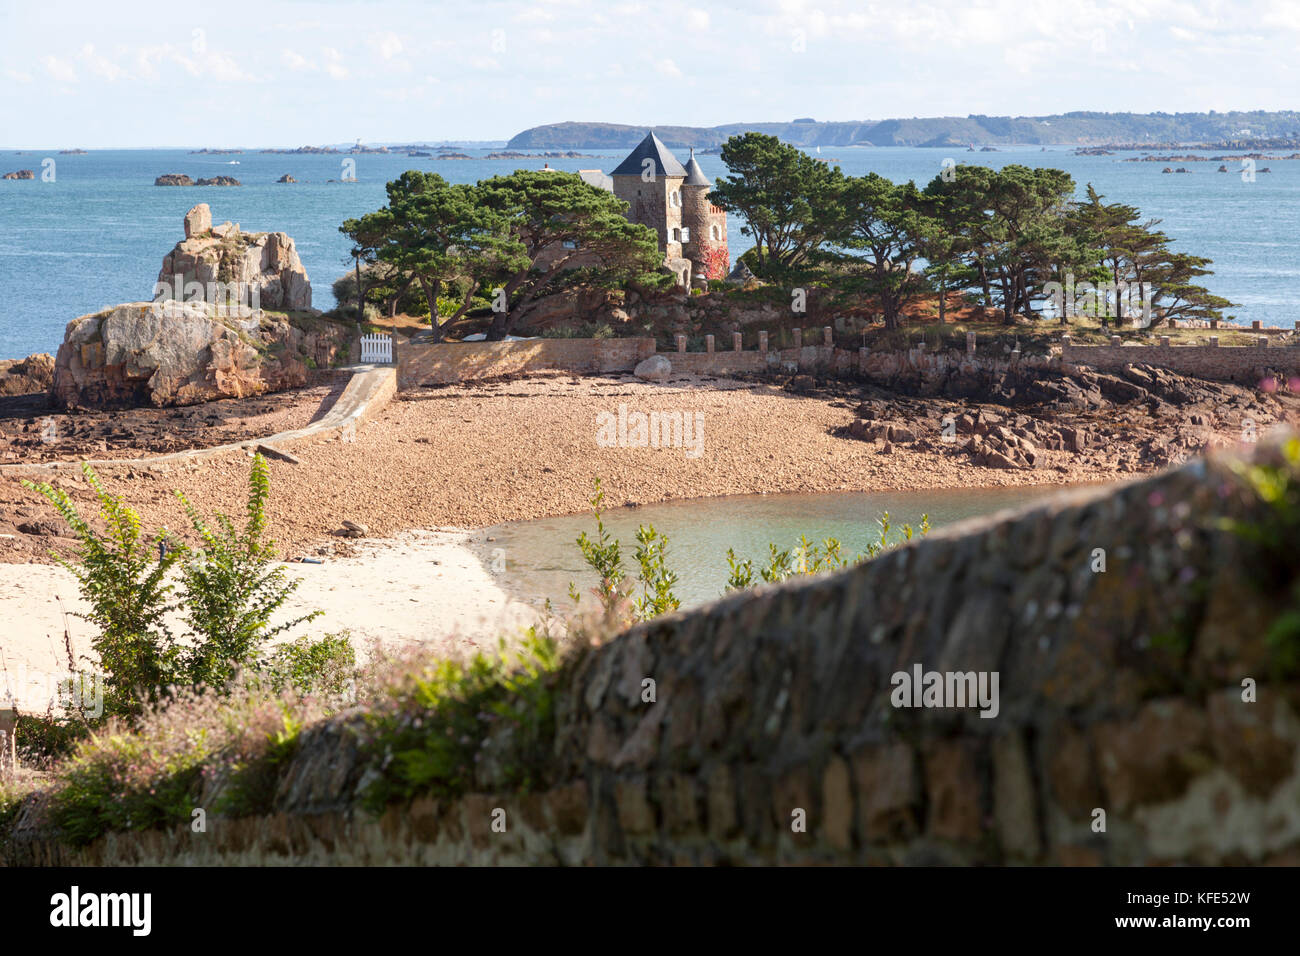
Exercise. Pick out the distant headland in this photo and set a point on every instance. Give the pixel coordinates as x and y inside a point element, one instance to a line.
<point>1247,129</point>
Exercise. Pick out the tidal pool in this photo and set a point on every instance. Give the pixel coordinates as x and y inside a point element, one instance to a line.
<point>541,557</point>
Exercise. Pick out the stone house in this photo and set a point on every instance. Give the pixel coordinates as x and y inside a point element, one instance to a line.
<point>673,200</point>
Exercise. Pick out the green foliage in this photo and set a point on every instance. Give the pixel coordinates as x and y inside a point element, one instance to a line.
<point>11,804</point>
<point>99,789</point>
<point>583,330</point>
<point>232,588</point>
<point>575,238</point>
<point>656,580</point>
<point>528,234</point>
<point>43,739</point>
<point>1003,233</point>
<point>155,771</point>
<point>455,715</point>
<point>387,291</point>
<point>807,558</point>
<point>603,555</point>
<point>790,203</point>
<point>253,781</point>
<point>325,666</point>
<point>440,235</point>
<point>1276,485</point>
<point>128,594</point>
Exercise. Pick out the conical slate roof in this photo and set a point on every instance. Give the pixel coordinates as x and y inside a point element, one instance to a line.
<point>665,163</point>
<point>694,175</point>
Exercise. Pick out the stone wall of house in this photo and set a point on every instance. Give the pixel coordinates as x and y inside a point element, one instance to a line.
<point>649,204</point>
<point>708,253</point>
<point>1140,718</point>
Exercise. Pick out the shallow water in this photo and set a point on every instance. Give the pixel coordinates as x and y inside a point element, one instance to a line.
<point>541,557</point>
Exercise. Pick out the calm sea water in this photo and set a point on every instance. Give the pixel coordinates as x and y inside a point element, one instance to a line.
<point>543,558</point>
<point>96,235</point>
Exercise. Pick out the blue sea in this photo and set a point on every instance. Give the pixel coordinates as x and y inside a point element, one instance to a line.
<point>96,235</point>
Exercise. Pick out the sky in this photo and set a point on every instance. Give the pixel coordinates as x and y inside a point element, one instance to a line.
<point>283,73</point>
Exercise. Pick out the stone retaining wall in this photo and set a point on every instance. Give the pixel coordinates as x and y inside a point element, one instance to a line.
<point>1122,733</point>
<point>1246,365</point>
<point>424,363</point>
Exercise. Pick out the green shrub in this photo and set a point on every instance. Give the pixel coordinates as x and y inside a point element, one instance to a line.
<point>232,587</point>
<point>807,558</point>
<point>128,593</point>
<point>656,580</point>
<point>153,772</point>
<point>326,666</point>
<point>448,718</point>
<point>603,555</point>
<point>43,739</point>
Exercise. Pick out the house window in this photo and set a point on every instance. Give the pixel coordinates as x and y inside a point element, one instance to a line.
<point>686,233</point>
<point>715,232</point>
<point>675,198</point>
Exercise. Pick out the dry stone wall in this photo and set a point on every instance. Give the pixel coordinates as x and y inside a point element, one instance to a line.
<point>1245,365</point>
<point>773,736</point>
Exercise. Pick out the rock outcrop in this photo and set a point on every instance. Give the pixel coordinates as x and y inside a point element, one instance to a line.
<point>260,270</point>
<point>180,179</point>
<point>20,174</point>
<point>174,353</point>
<point>27,376</point>
<point>198,220</point>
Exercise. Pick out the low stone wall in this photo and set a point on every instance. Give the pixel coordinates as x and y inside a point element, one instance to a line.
<point>423,363</point>
<point>1124,626</point>
<point>1245,365</point>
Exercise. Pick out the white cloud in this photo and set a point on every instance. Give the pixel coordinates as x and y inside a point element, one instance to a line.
<point>697,20</point>
<point>668,67</point>
<point>18,76</point>
<point>61,70</point>
<point>334,63</point>
<point>99,65</point>
<point>387,45</point>
<point>296,61</point>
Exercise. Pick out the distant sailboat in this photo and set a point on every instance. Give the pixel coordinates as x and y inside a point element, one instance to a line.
<point>819,150</point>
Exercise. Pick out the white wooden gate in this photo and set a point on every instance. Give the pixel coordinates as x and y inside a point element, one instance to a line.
<point>377,349</point>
